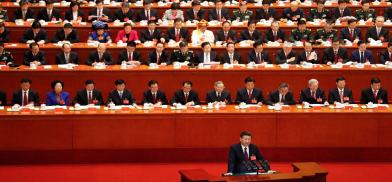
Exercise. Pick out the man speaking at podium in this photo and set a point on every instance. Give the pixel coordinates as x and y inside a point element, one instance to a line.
<point>243,152</point>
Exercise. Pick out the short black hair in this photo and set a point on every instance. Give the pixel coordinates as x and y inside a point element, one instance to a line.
<point>33,44</point>
<point>22,3</point>
<point>349,21</point>
<point>175,6</point>
<point>36,24</point>
<point>283,85</point>
<point>177,20</point>
<point>361,42</point>
<point>119,82</point>
<point>342,1</point>
<point>151,21</point>
<point>321,2</point>
<point>131,44</point>
<point>257,43</point>
<point>340,79</point>
<point>204,44</point>
<point>49,2</point>
<point>227,45</point>
<point>146,2</point>
<point>98,1</point>
<point>74,3</point>
<point>68,25</point>
<point>127,24</point>
<point>194,3</point>
<point>87,82</point>
<point>152,82</point>
<point>245,133</point>
<point>217,1</point>
<point>54,83</point>
<point>375,80</point>
<point>266,2</point>
<point>183,44</point>
<point>187,82</point>
<point>249,79</point>
<point>251,22</point>
<point>25,80</point>
<point>301,22</point>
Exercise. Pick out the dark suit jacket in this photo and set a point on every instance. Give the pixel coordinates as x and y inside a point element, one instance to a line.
<point>281,58</point>
<point>368,56</point>
<point>60,36</point>
<point>171,34</point>
<point>274,98</point>
<point>252,57</point>
<point>242,96</point>
<point>335,12</point>
<point>105,11</point>
<point>367,96</point>
<point>269,35</point>
<point>385,57</point>
<point>29,35</point>
<point>213,57</point>
<point>148,98</point>
<point>124,56</point>
<point>81,97</point>
<point>212,97</point>
<point>33,96</point>
<point>372,33</point>
<point>302,58</point>
<point>43,15</point>
<point>226,59</point>
<point>388,13</point>
<point>329,55</point>
<point>189,15</point>
<point>73,58</point>
<point>126,96</point>
<point>164,58</point>
<point>18,14</point>
<point>260,14</point>
<point>142,15</point>
<point>28,57</point>
<point>306,96</point>
<point>334,96</point>
<point>94,57</point>
<point>3,98</point>
<point>145,35</point>
<point>212,14</point>
<point>179,97</point>
<point>237,156</point>
<point>345,34</point>
<point>5,36</point>
<point>245,35</point>
<point>68,15</point>
<point>119,15</point>
<point>231,35</point>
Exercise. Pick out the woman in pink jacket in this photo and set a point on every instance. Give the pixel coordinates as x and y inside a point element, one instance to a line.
<point>127,35</point>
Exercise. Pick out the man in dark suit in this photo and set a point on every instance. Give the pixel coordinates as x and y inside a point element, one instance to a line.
<point>249,94</point>
<point>313,94</point>
<point>340,94</point>
<point>388,13</point>
<point>99,13</point>
<point>121,95</point>
<point>282,96</point>
<point>386,56</point>
<point>124,14</point>
<point>352,32</point>
<point>257,55</point>
<point>186,96</point>
<point>374,93</point>
<point>147,13</point>
<point>230,56</point>
<point>89,95</point>
<point>49,13</point>
<point>251,33</point>
<point>34,55</point>
<point>36,33</point>
<point>74,7</point>
<point>4,33</point>
<point>159,56</point>
<point>24,12</point>
<point>266,12</point>
<point>195,13</point>
<point>100,56</point>
<point>218,13</point>
<point>341,11</point>
<point>67,56</point>
<point>219,94</point>
<point>25,95</point>
<point>3,98</point>
<point>130,55</point>
<point>151,34</point>
<point>225,34</point>
<point>362,55</point>
<point>335,54</point>
<point>66,34</point>
<point>177,33</point>
<point>207,56</point>
<point>244,151</point>
<point>286,55</point>
<point>275,34</point>
<point>308,54</point>
<point>378,32</point>
<point>154,95</point>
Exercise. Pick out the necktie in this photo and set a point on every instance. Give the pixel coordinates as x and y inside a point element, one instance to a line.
<point>341,96</point>
<point>259,58</point>
<point>375,94</point>
<point>341,13</point>
<point>66,58</point>
<point>100,57</point>
<point>275,36</point>
<point>219,15</point>
<point>362,57</point>
<point>219,95</point>
<point>151,33</point>
<point>90,97</point>
<point>25,100</point>
<point>336,56</point>
<point>158,58</point>
<point>351,35</point>
<point>177,35</point>
<point>195,14</point>
<point>231,58</point>
<point>283,98</point>
<point>120,94</point>
<point>154,97</point>
<point>225,36</point>
<point>314,95</point>
<point>130,56</point>
<point>378,32</point>
<point>186,97</point>
<point>250,94</point>
<point>246,156</point>
<point>148,14</point>
<point>24,15</point>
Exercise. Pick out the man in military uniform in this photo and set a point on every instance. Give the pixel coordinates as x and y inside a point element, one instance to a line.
<point>301,33</point>
<point>3,13</point>
<point>320,12</point>
<point>243,14</point>
<point>327,33</point>
<point>184,55</point>
<point>293,13</point>
<point>6,57</point>
<point>365,13</point>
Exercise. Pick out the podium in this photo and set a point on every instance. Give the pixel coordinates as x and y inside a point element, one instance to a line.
<point>302,172</point>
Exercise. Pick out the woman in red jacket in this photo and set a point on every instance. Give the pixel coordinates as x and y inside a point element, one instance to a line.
<point>127,35</point>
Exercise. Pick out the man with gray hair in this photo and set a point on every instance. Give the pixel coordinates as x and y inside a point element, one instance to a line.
<point>313,94</point>
<point>286,55</point>
<point>219,94</point>
<point>99,56</point>
<point>281,96</point>
<point>378,32</point>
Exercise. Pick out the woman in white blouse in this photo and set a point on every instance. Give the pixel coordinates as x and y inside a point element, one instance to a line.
<point>201,34</point>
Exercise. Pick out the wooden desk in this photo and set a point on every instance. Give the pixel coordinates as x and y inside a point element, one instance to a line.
<point>302,172</point>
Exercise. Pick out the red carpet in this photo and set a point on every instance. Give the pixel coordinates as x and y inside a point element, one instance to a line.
<point>345,172</point>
